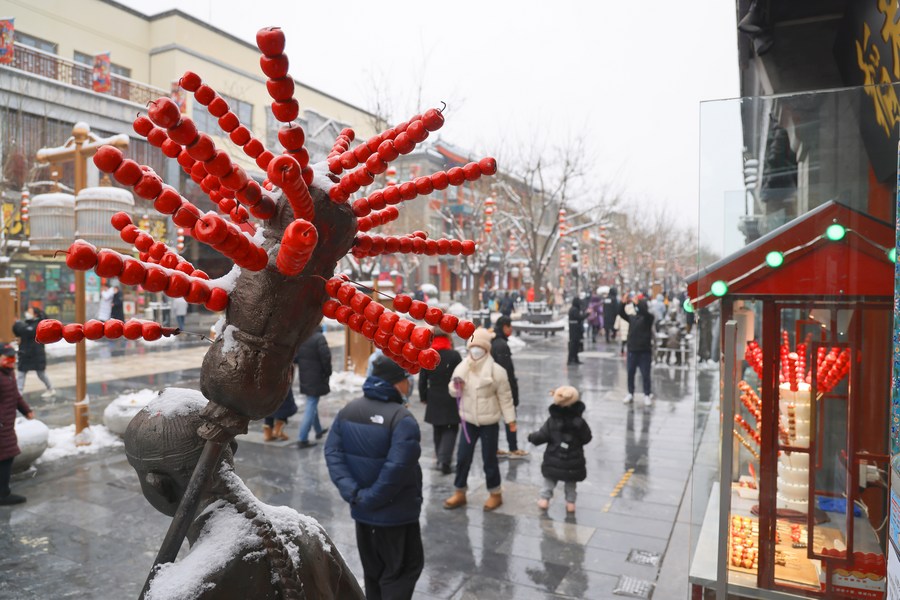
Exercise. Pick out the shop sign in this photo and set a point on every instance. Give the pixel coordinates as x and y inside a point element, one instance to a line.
<point>867,50</point>
<point>13,224</point>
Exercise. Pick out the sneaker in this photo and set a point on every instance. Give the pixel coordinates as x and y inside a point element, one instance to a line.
<point>321,433</point>
<point>11,499</point>
<point>648,399</point>
<point>49,393</point>
<point>518,454</point>
<point>301,444</point>
<point>543,504</point>
<point>502,454</point>
<point>628,399</point>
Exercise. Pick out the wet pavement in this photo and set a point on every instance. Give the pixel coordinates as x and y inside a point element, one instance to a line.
<point>86,531</point>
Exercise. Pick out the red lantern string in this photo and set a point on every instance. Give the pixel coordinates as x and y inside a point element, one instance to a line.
<point>377,218</point>
<point>374,245</point>
<point>157,251</point>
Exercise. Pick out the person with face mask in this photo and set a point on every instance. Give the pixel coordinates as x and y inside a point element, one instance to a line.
<point>10,401</point>
<point>482,387</point>
<point>32,355</point>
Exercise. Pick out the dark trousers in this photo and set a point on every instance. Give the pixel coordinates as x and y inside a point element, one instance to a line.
<point>639,360</point>
<point>574,349</point>
<point>392,560</point>
<point>5,474</point>
<point>610,333</point>
<point>444,441</point>
<point>512,440</point>
<point>488,434</point>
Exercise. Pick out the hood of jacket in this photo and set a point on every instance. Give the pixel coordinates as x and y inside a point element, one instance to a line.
<point>573,410</point>
<point>376,388</point>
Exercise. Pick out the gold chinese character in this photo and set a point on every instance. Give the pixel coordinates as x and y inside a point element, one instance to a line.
<point>890,31</point>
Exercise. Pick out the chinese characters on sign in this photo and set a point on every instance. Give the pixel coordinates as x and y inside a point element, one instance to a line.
<point>101,80</point>
<point>878,82</point>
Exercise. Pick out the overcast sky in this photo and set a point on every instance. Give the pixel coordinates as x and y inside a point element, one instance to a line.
<point>626,76</point>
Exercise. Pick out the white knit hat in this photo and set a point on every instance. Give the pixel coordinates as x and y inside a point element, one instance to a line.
<point>481,338</point>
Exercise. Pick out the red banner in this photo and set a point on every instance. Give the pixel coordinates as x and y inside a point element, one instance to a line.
<point>7,37</point>
<point>101,80</point>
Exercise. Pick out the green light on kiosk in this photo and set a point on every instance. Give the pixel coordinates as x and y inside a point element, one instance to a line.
<point>774,259</point>
<point>718,288</point>
<point>687,306</point>
<point>892,255</point>
<point>835,232</point>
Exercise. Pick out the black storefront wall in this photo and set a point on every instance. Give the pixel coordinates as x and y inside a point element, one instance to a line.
<point>867,52</point>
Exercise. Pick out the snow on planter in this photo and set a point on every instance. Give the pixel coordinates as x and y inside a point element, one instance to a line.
<point>122,409</point>
<point>33,438</point>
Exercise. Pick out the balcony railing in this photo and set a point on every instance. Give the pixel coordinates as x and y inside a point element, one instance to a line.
<point>55,67</point>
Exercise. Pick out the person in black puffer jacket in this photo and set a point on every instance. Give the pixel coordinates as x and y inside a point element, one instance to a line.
<point>441,409</point>
<point>32,355</point>
<point>313,360</point>
<point>566,433</point>
<point>640,344</point>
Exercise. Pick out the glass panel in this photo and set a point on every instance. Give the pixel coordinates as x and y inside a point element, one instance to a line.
<point>795,225</point>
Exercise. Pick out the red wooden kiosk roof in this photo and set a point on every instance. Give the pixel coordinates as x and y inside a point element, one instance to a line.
<point>857,265</point>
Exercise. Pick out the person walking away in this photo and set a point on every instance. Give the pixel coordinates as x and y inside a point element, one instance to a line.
<point>104,313</point>
<point>440,407</point>
<point>576,331</point>
<point>485,397</point>
<point>372,455</point>
<point>10,401</point>
<point>622,324</point>
<point>118,305</point>
<point>640,342</point>
<point>610,311</point>
<point>180,310</point>
<point>313,360</point>
<point>32,355</point>
<point>566,433</point>
<point>595,316</point>
<point>502,355</point>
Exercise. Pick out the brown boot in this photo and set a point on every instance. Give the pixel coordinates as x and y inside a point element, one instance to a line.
<point>493,501</point>
<point>456,500</point>
<point>278,431</point>
<point>267,433</point>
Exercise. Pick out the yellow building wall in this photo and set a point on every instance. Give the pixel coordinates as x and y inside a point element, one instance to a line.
<point>159,51</point>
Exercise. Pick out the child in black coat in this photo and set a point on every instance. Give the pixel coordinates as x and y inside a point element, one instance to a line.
<point>565,434</point>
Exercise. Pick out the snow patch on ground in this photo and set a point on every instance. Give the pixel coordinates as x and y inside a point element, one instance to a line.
<point>346,381</point>
<point>64,348</point>
<point>516,344</point>
<point>457,310</point>
<point>61,442</point>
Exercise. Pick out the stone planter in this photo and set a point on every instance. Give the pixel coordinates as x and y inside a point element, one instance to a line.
<point>119,412</point>
<point>32,437</point>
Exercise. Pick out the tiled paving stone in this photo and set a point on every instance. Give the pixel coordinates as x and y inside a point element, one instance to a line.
<point>515,552</point>
<point>632,587</point>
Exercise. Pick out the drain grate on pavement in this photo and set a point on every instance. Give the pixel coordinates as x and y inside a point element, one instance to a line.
<point>643,557</point>
<point>633,587</point>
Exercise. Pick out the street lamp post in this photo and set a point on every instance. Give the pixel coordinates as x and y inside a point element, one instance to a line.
<point>78,149</point>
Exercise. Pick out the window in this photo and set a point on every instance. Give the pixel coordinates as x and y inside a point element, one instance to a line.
<point>88,59</point>
<point>35,42</point>
<point>209,124</point>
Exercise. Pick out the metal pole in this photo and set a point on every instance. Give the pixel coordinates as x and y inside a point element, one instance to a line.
<point>725,462</point>
<point>82,420</point>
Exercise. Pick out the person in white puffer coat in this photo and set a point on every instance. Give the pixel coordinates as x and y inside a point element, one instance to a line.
<point>485,398</point>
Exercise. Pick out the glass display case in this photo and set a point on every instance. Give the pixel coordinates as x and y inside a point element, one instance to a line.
<point>800,504</point>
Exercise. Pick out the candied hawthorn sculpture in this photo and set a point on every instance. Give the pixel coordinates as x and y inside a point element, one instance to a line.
<point>283,281</point>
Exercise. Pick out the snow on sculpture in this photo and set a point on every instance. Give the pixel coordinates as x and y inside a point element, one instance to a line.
<point>283,281</point>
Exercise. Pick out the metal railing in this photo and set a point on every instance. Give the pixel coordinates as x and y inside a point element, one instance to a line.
<point>32,60</point>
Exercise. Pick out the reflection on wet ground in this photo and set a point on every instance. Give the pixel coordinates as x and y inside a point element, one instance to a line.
<point>86,532</point>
